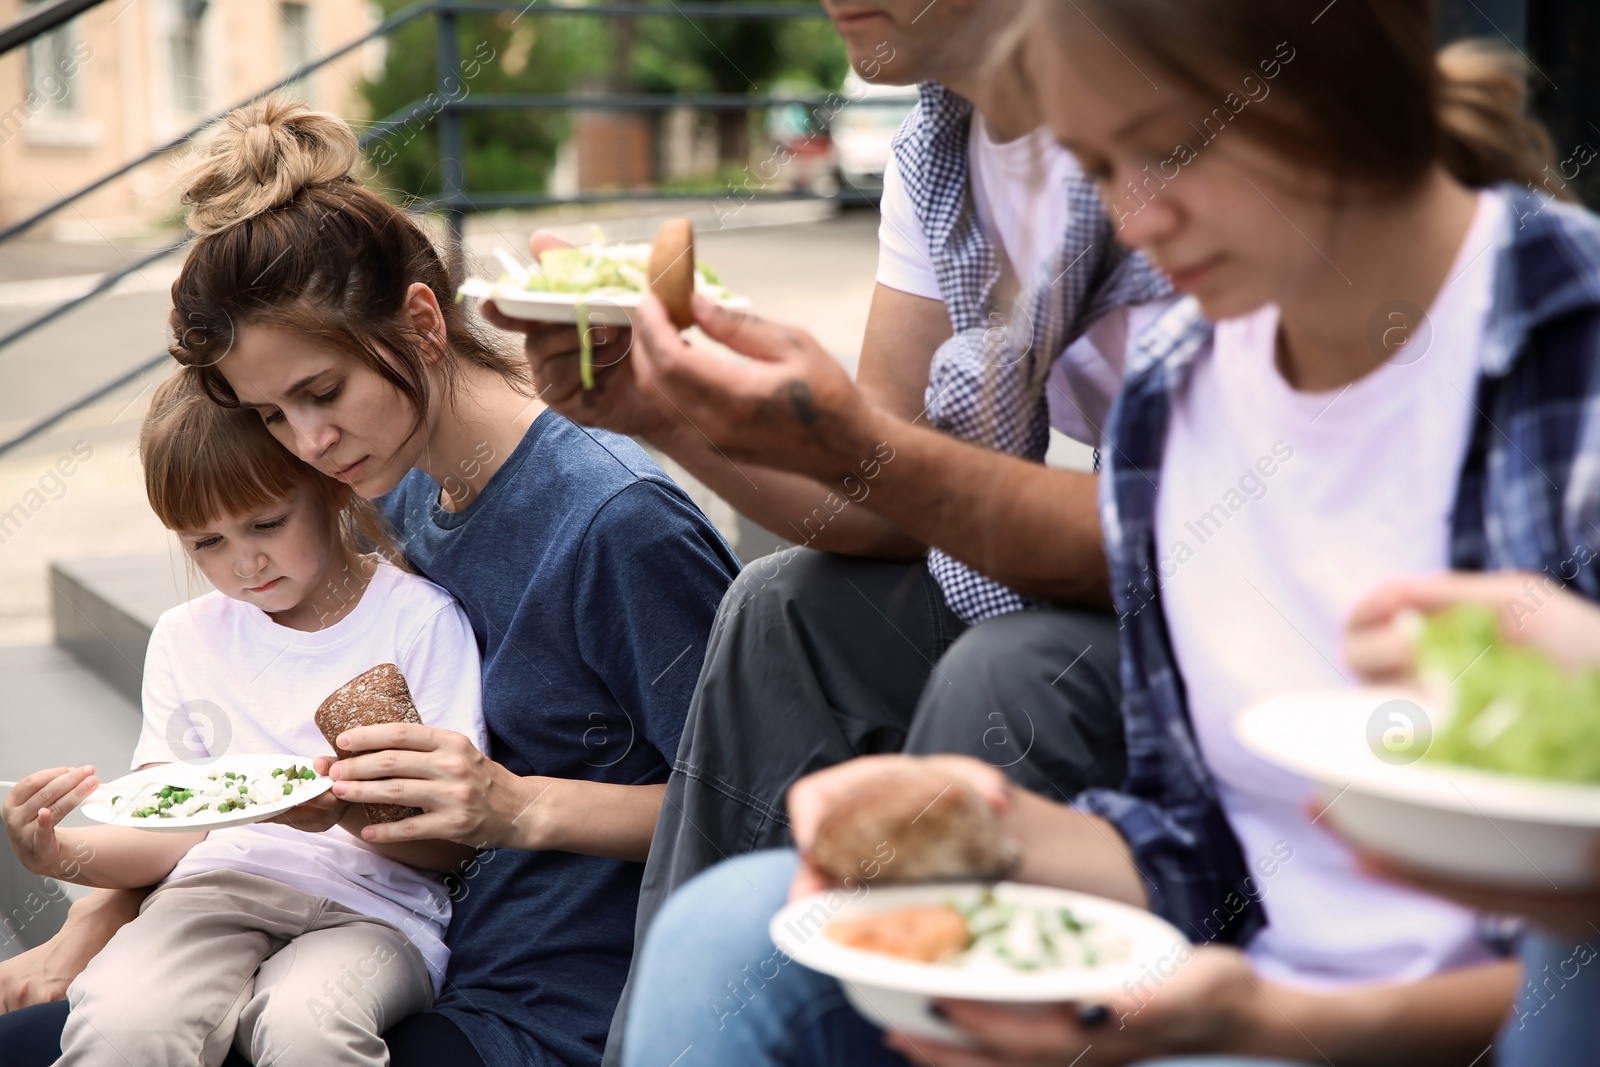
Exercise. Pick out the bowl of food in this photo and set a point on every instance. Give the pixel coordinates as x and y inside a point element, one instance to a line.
<point>897,948</point>
<point>1489,771</point>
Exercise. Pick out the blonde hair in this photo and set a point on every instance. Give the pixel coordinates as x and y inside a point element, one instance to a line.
<point>203,462</point>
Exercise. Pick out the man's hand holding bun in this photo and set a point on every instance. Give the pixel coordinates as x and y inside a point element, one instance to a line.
<point>554,353</point>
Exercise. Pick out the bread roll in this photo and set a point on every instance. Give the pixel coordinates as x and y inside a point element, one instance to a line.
<point>913,824</point>
<point>672,270</point>
<point>371,698</point>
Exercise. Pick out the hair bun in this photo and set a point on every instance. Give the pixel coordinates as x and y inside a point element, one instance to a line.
<point>1489,136</point>
<point>262,156</point>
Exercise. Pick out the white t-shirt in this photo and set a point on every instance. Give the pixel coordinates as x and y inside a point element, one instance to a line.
<point>1278,510</point>
<point>1019,191</point>
<point>221,677</point>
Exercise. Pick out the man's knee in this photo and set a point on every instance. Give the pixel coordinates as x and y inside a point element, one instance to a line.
<point>824,591</point>
<point>1035,693</point>
<point>788,581</point>
<point>1027,652</point>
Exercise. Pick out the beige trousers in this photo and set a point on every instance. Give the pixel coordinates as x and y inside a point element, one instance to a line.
<point>228,958</point>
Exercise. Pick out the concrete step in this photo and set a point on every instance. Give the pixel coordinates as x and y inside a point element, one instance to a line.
<point>105,609</point>
<point>54,712</point>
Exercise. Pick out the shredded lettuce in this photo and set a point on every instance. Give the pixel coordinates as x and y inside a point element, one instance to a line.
<point>1509,708</point>
<point>598,270</point>
<point>585,348</point>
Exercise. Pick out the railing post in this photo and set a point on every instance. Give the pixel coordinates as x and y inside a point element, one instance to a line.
<point>452,167</point>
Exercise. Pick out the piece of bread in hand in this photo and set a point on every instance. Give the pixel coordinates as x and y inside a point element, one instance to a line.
<point>912,824</point>
<point>672,270</point>
<point>371,698</point>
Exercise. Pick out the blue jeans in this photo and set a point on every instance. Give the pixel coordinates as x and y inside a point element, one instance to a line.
<point>712,989</point>
<point>1557,1018</point>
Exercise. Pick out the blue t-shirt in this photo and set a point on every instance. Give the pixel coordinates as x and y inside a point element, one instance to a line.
<point>591,581</point>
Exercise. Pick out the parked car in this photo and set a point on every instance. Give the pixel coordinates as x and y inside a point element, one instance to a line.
<point>802,145</point>
<point>863,132</point>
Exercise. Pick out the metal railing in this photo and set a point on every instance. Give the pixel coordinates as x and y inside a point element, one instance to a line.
<point>455,200</point>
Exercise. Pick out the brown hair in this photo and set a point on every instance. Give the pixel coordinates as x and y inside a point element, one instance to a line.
<point>203,461</point>
<point>1369,100</point>
<point>287,237</point>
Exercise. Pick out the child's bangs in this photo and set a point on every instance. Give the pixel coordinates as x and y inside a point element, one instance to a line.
<point>203,462</point>
<point>212,487</point>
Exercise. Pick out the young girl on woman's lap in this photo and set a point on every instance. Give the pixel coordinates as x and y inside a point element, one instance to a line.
<point>293,947</point>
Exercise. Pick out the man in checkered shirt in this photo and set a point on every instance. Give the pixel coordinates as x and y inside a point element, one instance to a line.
<point>946,596</point>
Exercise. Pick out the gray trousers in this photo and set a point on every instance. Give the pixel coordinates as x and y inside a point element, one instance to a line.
<point>815,659</point>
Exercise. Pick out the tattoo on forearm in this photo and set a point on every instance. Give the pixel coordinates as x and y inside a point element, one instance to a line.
<point>805,408</point>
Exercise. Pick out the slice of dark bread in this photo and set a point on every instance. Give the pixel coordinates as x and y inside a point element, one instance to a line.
<point>371,698</point>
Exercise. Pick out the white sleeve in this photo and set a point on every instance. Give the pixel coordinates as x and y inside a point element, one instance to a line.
<point>904,262</point>
<point>442,669</point>
<point>165,719</point>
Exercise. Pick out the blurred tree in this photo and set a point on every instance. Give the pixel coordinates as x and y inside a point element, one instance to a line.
<point>736,56</point>
<point>514,150</point>
<point>506,150</point>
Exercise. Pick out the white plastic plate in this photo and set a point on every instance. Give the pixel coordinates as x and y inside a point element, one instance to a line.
<point>532,306</point>
<point>131,789</point>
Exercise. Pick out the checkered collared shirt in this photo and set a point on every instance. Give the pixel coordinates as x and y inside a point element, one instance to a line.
<point>1527,498</point>
<point>987,382</point>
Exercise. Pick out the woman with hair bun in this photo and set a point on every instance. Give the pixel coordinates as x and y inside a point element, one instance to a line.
<point>1385,361</point>
<point>589,578</point>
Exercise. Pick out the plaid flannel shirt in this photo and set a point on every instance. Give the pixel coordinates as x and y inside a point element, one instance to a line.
<point>1528,498</point>
<point>987,385</point>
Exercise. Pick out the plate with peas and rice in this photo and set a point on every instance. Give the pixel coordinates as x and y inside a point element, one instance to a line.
<point>208,794</point>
